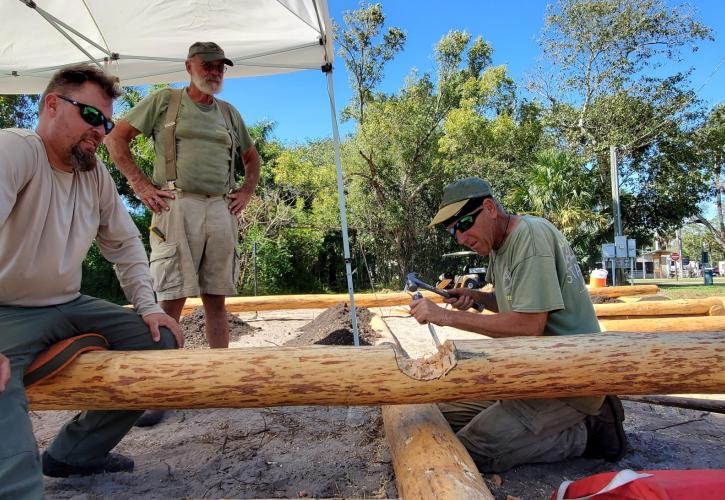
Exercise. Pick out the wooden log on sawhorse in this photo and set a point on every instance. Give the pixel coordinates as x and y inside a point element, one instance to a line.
<point>523,367</point>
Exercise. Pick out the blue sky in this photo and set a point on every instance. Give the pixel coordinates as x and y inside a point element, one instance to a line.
<point>299,105</point>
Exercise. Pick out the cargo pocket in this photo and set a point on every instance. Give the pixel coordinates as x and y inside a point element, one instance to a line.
<point>165,266</point>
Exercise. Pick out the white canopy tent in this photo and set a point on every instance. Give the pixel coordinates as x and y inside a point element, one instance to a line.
<point>146,41</point>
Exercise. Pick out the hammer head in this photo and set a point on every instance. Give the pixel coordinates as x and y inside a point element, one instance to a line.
<point>411,282</point>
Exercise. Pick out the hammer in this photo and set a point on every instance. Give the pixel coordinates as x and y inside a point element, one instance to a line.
<point>412,283</point>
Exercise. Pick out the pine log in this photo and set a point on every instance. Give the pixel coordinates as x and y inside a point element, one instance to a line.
<point>684,307</point>
<point>323,301</point>
<point>710,405</point>
<point>665,324</point>
<point>521,367</point>
<point>621,291</point>
<point>310,301</point>
<point>429,461</point>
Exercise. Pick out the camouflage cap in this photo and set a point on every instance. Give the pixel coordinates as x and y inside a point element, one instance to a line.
<point>208,51</point>
<point>456,195</point>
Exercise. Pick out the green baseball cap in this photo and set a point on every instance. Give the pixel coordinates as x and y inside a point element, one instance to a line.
<point>457,194</point>
<point>208,51</point>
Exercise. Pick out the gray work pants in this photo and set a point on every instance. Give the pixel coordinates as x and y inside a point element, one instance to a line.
<point>503,434</point>
<point>90,435</point>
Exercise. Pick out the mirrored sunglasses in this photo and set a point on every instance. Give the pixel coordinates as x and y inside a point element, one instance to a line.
<point>92,116</point>
<point>464,223</point>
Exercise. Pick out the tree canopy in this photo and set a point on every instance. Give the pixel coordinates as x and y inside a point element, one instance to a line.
<point>603,80</point>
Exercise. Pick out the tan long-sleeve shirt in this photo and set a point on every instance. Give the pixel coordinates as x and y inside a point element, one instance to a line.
<point>48,220</point>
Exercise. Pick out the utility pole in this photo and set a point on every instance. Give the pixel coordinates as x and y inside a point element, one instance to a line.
<point>614,171</point>
<point>617,272</point>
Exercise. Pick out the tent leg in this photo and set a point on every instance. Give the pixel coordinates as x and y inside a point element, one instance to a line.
<point>343,210</point>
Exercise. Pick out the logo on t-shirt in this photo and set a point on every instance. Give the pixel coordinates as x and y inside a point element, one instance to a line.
<point>508,283</point>
<point>573,272</point>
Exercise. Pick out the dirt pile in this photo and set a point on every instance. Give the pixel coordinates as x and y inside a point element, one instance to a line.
<point>605,300</point>
<point>193,328</point>
<point>334,327</point>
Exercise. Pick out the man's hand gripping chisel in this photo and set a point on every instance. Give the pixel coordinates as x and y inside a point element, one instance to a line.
<point>412,283</point>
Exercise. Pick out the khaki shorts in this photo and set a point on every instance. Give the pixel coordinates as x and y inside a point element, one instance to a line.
<point>503,434</point>
<point>200,254</point>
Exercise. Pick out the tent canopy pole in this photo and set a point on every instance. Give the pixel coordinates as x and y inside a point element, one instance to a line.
<point>341,198</point>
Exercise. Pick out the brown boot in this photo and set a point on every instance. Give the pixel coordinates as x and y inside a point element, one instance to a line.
<point>605,433</point>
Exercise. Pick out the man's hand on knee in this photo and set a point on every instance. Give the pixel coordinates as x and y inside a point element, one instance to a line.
<point>156,320</point>
<point>4,372</point>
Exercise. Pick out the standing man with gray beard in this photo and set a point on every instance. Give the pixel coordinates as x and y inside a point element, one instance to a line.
<point>193,193</point>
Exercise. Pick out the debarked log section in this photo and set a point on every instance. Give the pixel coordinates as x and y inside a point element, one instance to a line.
<point>664,324</point>
<point>429,461</point>
<point>543,367</point>
<point>711,306</point>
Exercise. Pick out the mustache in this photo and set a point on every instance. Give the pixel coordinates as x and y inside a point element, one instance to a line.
<point>81,160</point>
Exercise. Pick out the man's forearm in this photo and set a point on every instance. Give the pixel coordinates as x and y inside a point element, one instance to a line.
<point>252,167</point>
<point>121,156</point>
<point>508,324</point>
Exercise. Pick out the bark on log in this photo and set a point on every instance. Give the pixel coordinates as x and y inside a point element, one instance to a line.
<point>540,367</point>
<point>322,301</point>
<point>665,324</point>
<point>685,307</point>
<point>429,461</point>
<point>711,405</point>
<point>621,291</point>
<point>310,301</point>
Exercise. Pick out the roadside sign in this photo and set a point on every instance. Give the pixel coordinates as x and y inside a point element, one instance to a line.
<point>675,256</point>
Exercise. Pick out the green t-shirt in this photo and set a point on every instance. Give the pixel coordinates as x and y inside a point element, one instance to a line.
<point>535,270</point>
<point>203,143</point>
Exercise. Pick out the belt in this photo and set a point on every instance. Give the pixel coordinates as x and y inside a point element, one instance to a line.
<point>180,193</point>
<point>183,192</point>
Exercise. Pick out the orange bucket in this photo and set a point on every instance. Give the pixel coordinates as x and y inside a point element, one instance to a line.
<point>598,278</point>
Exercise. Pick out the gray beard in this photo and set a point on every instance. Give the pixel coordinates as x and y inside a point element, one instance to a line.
<point>80,161</point>
<point>206,87</point>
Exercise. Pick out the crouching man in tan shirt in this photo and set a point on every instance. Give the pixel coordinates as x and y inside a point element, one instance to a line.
<point>56,198</point>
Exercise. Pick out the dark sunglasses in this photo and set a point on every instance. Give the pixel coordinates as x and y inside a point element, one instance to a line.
<point>464,223</point>
<point>91,115</point>
<point>218,67</point>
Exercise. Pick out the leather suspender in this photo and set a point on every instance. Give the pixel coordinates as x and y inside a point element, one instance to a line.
<point>227,114</point>
<point>170,137</point>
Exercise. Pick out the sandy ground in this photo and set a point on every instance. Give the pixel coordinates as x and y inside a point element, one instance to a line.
<point>291,452</point>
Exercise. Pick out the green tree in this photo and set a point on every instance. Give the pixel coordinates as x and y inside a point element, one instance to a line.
<point>560,188</point>
<point>697,239</point>
<point>18,111</point>
<point>397,163</point>
<point>711,142</point>
<point>365,51</point>
<point>602,85</point>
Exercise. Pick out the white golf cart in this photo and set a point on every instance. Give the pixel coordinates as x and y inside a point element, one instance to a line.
<point>472,275</point>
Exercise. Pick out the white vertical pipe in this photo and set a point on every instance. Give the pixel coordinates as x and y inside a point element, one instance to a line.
<point>343,209</point>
